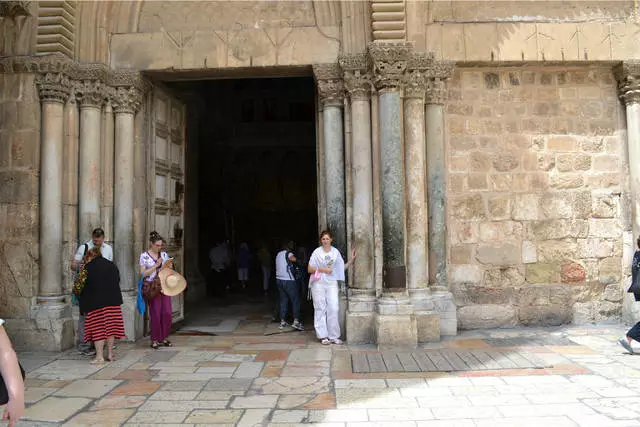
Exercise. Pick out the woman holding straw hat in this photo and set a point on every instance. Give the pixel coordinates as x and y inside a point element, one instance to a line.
<point>156,263</point>
<point>98,289</point>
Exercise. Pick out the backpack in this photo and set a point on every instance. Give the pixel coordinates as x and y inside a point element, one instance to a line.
<point>294,269</point>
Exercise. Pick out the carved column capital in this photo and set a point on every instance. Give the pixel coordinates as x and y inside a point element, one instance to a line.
<point>628,76</point>
<point>330,84</point>
<point>390,62</point>
<point>126,99</point>
<point>11,9</point>
<point>53,87</point>
<point>91,93</point>
<point>436,91</point>
<point>357,78</point>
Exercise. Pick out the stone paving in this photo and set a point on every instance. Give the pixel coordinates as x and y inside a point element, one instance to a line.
<point>247,378</point>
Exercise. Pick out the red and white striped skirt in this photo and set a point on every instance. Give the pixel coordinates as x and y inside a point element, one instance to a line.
<point>104,323</point>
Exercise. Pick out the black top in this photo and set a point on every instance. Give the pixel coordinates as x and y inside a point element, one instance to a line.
<point>102,287</point>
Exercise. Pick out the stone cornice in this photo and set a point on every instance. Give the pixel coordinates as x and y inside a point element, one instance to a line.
<point>628,76</point>
<point>92,83</point>
<point>330,84</point>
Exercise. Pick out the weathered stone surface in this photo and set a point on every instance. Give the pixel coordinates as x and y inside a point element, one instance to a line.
<point>604,228</point>
<point>572,273</point>
<point>466,273</point>
<point>505,161</point>
<point>499,254</point>
<point>610,270</point>
<point>595,248</point>
<point>486,316</point>
<point>556,250</point>
<point>542,272</point>
<point>613,293</point>
<point>525,207</point>
<point>18,187</point>
<point>557,229</point>
<point>555,206</point>
<point>503,277</point>
<point>500,230</point>
<point>604,206</point>
<point>529,252</point>
<point>468,207</point>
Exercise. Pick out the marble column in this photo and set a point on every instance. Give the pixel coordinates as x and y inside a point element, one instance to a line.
<point>436,187</point>
<point>70,188</point>
<point>362,295</point>
<point>395,320</point>
<point>330,89</point>
<point>126,101</point>
<point>108,146</point>
<point>91,96</point>
<point>628,76</point>
<point>53,314</point>
<point>436,178</point>
<point>414,136</point>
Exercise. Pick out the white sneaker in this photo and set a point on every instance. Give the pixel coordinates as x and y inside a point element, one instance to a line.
<point>283,325</point>
<point>297,325</point>
<point>337,341</point>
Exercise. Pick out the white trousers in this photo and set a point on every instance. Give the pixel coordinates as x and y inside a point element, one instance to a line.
<point>326,308</point>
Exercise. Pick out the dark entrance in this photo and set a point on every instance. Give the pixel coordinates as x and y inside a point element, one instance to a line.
<point>256,167</point>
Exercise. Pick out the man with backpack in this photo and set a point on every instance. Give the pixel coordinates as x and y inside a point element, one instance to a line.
<point>287,272</point>
<point>97,240</point>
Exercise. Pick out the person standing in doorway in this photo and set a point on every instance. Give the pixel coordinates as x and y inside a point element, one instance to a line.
<point>287,287</point>
<point>265,263</point>
<point>243,259</point>
<point>151,262</point>
<point>97,240</point>
<point>220,260</point>
<point>327,267</point>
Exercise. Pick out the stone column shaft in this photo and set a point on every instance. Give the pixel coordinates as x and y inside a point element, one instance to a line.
<point>392,176</point>
<point>414,132</point>
<point>107,172</point>
<point>633,145</point>
<point>89,179</point>
<point>436,186</point>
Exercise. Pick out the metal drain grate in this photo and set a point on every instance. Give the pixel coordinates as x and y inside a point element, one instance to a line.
<point>444,361</point>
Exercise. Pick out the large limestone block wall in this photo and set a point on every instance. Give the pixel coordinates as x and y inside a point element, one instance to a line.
<point>535,186</point>
<point>19,174</point>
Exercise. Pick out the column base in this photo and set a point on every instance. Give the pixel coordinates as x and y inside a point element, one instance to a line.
<point>361,327</point>
<point>428,326</point>
<point>51,327</point>
<point>444,306</point>
<point>133,321</point>
<point>395,322</point>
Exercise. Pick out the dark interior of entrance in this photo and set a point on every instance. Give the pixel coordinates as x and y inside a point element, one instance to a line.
<point>255,162</point>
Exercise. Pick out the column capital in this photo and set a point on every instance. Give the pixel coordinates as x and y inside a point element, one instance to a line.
<point>330,84</point>
<point>357,78</point>
<point>436,91</point>
<point>91,93</point>
<point>53,87</point>
<point>628,76</point>
<point>11,9</point>
<point>126,99</point>
<point>390,62</point>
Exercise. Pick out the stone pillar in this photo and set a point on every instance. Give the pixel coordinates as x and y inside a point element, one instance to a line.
<point>126,101</point>
<point>628,76</point>
<point>91,96</point>
<point>330,90</point>
<point>427,320</point>
<point>108,146</point>
<point>53,312</point>
<point>436,180</point>
<point>362,298</point>
<point>395,322</point>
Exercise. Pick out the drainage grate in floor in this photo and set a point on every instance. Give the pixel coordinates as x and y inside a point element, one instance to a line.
<point>444,361</point>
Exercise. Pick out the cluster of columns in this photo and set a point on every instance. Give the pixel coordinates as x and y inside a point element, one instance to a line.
<point>395,98</point>
<point>102,106</point>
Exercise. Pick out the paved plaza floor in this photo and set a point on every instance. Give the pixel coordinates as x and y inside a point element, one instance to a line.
<point>253,375</point>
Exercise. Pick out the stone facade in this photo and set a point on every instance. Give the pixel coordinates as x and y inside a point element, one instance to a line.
<point>483,160</point>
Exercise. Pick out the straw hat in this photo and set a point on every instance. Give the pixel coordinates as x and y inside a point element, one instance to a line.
<point>172,282</point>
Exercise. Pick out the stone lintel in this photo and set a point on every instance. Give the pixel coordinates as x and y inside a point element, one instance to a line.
<point>628,76</point>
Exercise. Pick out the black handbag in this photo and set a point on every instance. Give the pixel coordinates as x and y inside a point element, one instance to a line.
<point>294,269</point>
<point>4,393</point>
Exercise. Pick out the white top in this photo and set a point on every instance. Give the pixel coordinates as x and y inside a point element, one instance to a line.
<point>105,250</point>
<point>332,259</point>
<point>1,322</point>
<point>282,272</point>
<point>147,261</point>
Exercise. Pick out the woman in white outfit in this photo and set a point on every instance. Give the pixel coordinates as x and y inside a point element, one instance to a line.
<point>10,370</point>
<point>327,267</point>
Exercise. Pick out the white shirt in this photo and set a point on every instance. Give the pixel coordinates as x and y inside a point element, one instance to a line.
<point>1,322</point>
<point>105,250</point>
<point>282,272</point>
<point>332,259</point>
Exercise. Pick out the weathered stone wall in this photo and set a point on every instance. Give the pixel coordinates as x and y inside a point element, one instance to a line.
<point>19,167</point>
<point>536,173</point>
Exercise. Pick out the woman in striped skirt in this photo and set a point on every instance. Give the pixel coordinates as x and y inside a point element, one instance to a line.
<point>100,299</point>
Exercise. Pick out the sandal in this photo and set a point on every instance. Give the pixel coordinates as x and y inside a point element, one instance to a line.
<point>154,345</point>
<point>97,362</point>
<point>167,343</point>
<point>325,341</point>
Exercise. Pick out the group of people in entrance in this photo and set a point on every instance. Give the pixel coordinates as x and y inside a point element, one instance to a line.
<point>96,290</point>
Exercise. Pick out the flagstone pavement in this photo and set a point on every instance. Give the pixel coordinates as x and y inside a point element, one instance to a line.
<point>247,378</point>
